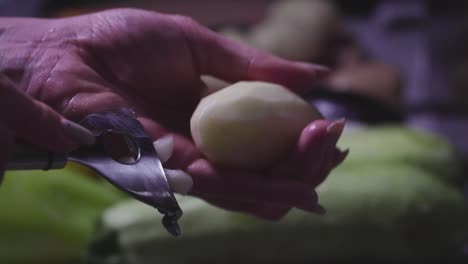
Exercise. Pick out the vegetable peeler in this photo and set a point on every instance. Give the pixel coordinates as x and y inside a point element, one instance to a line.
<point>123,154</point>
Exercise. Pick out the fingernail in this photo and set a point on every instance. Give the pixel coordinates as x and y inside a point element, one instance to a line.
<point>317,67</point>
<point>321,68</point>
<point>322,71</point>
<point>320,210</point>
<point>335,129</point>
<point>179,181</point>
<point>341,156</point>
<point>309,202</point>
<point>78,133</point>
<point>164,147</point>
<point>273,214</point>
<point>313,208</point>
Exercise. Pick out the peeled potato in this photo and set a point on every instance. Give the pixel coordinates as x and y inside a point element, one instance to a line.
<point>250,124</point>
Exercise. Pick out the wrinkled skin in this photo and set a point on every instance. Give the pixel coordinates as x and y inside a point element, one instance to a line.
<point>153,62</point>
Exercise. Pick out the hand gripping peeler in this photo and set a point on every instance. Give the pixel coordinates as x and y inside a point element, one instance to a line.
<point>123,154</point>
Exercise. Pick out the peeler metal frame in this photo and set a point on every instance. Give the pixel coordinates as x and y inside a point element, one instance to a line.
<point>123,154</point>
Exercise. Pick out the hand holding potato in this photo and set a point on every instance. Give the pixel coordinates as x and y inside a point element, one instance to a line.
<point>153,62</point>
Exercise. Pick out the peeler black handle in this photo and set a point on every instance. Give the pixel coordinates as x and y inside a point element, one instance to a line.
<point>28,157</point>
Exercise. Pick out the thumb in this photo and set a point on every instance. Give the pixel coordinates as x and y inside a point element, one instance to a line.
<point>37,123</point>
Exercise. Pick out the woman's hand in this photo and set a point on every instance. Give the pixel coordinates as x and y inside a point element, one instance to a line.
<point>152,63</point>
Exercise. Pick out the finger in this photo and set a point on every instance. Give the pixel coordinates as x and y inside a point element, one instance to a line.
<point>6,144</point>
<point>164,146</point>
<point>254,188</point>
<point>86,103</point>
<point>179,181</point>
<point>37,123</point>
<point>232,61</point>
<point>334,157</point>
<point>315,154</point>
<point>319,174</point>
<point>183,151</point>
<point>340,156</point>
<point>316,173</point>
<point>256,209</point>
<point>310,147</point>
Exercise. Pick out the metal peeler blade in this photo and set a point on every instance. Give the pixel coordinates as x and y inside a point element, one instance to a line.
<point>141,174</point>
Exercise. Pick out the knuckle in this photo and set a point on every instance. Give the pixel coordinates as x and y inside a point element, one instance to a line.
<point>46,115</point>
<point>5,86</point>
<point>185,21</point>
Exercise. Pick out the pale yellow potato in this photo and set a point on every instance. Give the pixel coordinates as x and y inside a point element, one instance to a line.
<point>250,124</point>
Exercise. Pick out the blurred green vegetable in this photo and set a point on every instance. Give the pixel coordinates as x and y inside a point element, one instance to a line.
<point>395,199</point>
<point>49,217</point>
<point>394,146</point>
